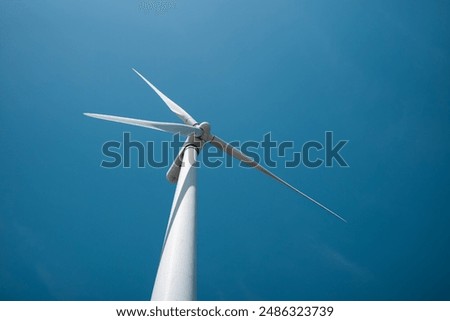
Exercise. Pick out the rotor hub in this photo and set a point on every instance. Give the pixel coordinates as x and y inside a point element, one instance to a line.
<point>206,128</point>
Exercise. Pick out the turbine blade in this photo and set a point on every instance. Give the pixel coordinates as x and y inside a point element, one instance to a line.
<point>180,112</point>
<point>236,153</point>
<point>173,128</point>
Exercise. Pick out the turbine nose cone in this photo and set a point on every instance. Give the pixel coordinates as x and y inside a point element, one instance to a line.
<point>206,127</point>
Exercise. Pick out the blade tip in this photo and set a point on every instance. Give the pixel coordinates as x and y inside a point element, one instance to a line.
<point>341,218</point>
<point>137,72</point>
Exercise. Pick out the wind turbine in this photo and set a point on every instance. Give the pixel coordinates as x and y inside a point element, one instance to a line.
<point>176,276</point>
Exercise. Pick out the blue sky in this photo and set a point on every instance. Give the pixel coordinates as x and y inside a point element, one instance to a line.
<point>376,74</point>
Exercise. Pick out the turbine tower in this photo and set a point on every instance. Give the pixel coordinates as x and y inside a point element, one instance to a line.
<point>176,278</point>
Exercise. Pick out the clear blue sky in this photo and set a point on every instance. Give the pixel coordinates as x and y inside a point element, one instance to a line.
<point>377,74</point>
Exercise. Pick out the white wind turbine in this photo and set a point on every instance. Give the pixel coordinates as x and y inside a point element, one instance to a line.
<point>176,276</point>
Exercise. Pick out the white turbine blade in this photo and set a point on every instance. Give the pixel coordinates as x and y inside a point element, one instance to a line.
<point>236,153</point>
<point>180,112</point>
<point>173,128</point>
